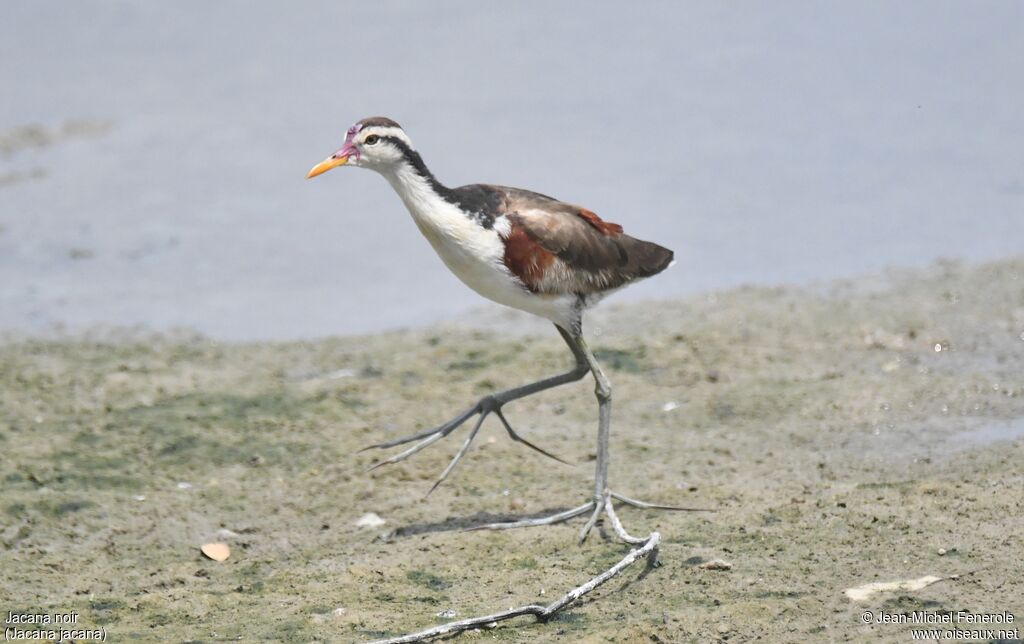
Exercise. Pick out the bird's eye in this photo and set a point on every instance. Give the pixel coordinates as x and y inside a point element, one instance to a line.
<point>372,139</point>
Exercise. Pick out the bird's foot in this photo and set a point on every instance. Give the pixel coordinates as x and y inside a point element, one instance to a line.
<point>603,504</point>
<point>483,408</point>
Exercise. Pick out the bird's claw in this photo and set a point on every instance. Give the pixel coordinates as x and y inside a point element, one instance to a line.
<point>484,407</point>
<point>602,504</point>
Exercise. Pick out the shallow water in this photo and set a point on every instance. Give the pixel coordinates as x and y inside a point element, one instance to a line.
<point>769,144</point>
<point>989,433</point>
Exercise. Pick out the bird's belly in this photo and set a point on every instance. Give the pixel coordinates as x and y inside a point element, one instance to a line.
<point>476,256</point>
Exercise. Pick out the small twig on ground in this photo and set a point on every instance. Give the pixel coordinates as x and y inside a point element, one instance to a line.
<point>649,549</point>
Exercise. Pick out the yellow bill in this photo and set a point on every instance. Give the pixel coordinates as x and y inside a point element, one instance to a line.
<point>325,165</point>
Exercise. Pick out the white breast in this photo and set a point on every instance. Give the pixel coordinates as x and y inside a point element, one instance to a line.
<point>474,253</point>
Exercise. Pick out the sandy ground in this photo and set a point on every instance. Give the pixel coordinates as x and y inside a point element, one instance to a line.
<point>848,433</point>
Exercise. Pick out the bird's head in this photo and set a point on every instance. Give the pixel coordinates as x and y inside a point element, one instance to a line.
<point>377,143</point>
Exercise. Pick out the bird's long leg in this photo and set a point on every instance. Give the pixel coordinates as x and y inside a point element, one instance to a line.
<point>485,406</point>
<point>603,391</point>
<point>601,501</point>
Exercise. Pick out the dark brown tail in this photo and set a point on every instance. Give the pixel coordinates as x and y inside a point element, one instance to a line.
<point>646,258</point>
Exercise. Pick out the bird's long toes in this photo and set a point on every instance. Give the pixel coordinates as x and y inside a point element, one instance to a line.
<point>519,439</point>
<point>458,456</point>
<point>591,522</point>
<point>405,439</point>
<point>543,451</point>
<point>636,503</point>
<point>387,461</point>
<point>439,432</point>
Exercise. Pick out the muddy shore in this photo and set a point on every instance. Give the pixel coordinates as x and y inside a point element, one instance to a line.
<point>861,431</point>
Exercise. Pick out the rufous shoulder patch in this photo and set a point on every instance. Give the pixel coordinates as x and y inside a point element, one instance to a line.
<point>606,228</point>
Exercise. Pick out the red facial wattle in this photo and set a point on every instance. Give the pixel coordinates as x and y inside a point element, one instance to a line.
<point>347,151</point>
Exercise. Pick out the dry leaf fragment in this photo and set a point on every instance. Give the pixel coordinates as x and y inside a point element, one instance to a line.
<point>216,551</point>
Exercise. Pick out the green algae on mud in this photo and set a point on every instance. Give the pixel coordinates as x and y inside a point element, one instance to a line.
<point>858,432</point>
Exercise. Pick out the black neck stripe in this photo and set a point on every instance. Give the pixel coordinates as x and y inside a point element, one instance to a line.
<point>413,158</point>
<point>479,208</point>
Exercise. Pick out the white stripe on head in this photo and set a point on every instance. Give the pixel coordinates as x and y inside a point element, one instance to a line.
<point>382,131</point>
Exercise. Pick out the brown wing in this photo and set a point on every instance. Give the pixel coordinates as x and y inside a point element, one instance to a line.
<point>556,247</point>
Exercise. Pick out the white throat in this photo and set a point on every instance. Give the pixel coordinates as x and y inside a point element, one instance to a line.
<point>416,193</point>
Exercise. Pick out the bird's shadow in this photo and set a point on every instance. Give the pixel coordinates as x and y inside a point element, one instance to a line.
<point>464,523</point>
